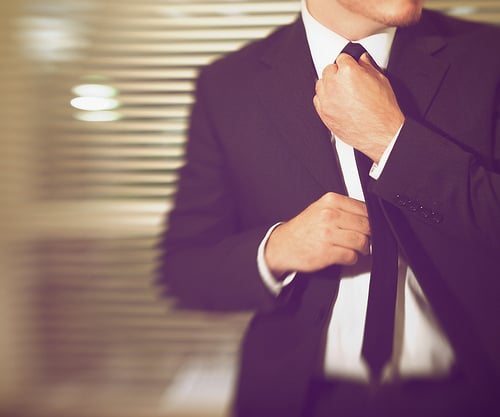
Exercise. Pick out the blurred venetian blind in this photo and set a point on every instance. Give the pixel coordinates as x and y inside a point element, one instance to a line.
<point>127,68</point>
<point>110,86</point>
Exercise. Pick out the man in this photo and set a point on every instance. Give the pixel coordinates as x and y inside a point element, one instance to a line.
<point>271,214</point>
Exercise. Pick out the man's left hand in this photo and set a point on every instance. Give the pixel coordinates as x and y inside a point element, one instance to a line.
<point>357,103</point>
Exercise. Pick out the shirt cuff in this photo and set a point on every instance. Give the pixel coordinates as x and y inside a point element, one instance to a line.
<point>376,169</point>
<point>275,286</point>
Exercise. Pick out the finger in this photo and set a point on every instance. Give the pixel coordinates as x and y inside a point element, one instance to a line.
<point>332,219</point>
<point>367,62</point>
<point>345,59</point>
<point>344,203</point>
<point>349,240</point>
<point>365,59</point>
<point>353,222</point>
<point>343,256</point>
<point>354,206</point>
<point>329,70</point>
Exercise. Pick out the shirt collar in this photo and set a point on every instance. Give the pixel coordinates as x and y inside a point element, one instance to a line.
<point>325,45</point>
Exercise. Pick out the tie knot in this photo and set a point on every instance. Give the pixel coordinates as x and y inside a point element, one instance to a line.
<point>354,49</point>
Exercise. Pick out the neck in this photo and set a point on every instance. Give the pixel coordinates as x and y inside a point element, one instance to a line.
<point>342,21</point>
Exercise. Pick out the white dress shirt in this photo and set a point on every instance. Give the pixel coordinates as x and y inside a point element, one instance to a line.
<point>420,346</point>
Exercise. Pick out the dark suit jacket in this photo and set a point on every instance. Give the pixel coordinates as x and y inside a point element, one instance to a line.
<point>258,154</point>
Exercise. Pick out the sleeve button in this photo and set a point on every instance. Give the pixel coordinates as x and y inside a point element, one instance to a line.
<point>436,217</point>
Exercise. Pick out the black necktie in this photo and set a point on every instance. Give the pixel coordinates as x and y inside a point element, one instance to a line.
<point>378,336</point>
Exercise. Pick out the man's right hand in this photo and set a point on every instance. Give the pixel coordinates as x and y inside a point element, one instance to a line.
<point>332,230</point>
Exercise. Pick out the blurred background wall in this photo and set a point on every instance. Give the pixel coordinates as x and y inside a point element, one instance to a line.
<point>94,96</point>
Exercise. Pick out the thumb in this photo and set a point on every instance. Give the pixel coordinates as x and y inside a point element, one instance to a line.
<point>367,62</point>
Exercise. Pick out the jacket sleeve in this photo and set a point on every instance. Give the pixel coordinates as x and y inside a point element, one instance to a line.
<point>450,188</point>
<point>445,199</point>
<point>209,258</point>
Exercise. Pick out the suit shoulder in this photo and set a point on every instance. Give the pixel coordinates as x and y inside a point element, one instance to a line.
<point>458,27</point>
<point>465,38</point>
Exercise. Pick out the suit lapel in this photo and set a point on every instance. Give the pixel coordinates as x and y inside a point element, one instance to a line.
<point>285,87</point>
<point>415,73</point>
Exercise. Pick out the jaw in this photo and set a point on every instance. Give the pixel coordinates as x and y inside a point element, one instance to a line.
<point>356,19</point>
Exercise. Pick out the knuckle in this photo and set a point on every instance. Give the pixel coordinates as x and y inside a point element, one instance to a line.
<point>343,57</point>
<point>351,239</point>
<point>331,198</point>
<point>347,66</point>
<point>350,257</point>
<point>365,224</point>
<point>364,242</point>
<point>360,221</point>
<point>327,216</point>
<point>356,240</point>
<point>323,215</point>
<point>324,234</point>
<point>328,70</point>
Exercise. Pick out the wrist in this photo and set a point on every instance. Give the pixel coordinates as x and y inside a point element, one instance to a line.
<point>379,147</point>
<point>272,257</point>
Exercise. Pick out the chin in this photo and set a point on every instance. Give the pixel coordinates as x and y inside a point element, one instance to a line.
<point>386,12</point>
<point>403,20</point>
<point>405,14</point>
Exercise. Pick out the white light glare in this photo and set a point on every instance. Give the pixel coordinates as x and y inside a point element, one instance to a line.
<point>96,100</point>
<point>98,116</point>
<point>94,103</point>
<point>94,90</point>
